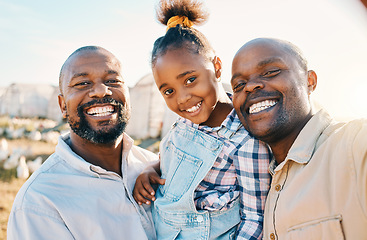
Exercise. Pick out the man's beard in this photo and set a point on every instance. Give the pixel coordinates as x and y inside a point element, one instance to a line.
<point>84,130</point>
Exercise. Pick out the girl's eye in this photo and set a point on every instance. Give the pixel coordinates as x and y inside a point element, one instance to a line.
<point>239,86</point>
<point>190,80</point>
<point>271,73</point>
<point>167,92</point>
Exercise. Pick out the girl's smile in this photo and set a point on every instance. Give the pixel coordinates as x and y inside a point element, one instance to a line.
<point>189,85</point>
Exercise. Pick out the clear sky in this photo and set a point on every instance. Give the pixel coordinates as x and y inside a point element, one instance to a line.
<point>37,36</point>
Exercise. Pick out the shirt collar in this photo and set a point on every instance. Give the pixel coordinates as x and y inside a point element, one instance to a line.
<point>305,143</point>
<point>67,154</point>
<point>126,146</point>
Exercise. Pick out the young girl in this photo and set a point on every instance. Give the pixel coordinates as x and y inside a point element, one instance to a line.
<point>216,174</point>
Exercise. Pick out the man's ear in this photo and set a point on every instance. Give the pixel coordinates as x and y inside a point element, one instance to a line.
<point>311,81</point>
<point>217,67</point>
<point>62,105</point>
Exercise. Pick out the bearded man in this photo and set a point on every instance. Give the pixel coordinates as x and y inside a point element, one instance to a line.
<point>83,190</point>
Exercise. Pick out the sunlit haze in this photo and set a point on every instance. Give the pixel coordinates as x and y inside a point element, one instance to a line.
<point>37,36</point>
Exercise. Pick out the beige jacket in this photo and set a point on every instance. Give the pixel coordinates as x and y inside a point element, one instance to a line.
<point>320,190</point>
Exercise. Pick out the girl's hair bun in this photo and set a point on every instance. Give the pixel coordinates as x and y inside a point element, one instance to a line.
<point>192,9</point>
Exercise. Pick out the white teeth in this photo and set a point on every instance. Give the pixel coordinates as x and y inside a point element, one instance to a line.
<point>260,106</point>
<point>194,108</point>
<point>101,111</point>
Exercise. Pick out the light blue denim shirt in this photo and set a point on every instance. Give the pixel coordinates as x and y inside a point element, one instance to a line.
<point>69,198</point>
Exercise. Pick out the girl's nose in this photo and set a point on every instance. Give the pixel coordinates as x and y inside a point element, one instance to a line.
<point>183,97</point>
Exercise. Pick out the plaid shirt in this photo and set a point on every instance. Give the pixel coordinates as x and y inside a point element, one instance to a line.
<point>241,170</point>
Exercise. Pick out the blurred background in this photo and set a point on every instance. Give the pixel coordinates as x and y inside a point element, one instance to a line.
<point>37,36</point>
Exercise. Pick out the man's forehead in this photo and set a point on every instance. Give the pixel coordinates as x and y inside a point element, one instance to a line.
<point>92,56</point>
<point>262,54</point>
<point>90,59</point>
<point>256,57</point>
<point>264,49</point>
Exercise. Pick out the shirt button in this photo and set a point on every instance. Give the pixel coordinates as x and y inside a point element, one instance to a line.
<point>200,218</point>
<point>272,236</point>
<point>277,188</point>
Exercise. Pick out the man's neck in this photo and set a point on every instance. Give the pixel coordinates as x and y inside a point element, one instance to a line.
<point>106,156</point>
<point>281,147</point>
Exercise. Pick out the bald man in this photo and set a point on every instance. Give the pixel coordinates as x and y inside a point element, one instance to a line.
<point>319,170</point>
<point>84,189</point>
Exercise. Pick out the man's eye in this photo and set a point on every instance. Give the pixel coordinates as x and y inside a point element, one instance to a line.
<point>271,73</point>
<point>81,84</point>
<point>190,80</point>
<point>239,86</point>
<point>167,92</point>
<point>114,81</point>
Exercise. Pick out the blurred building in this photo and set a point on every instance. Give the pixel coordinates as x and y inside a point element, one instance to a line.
<point>53,109</point>
<point>26,100</point>
<point>147,110</point>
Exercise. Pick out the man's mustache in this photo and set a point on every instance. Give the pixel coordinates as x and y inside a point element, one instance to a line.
<point>100,101</point>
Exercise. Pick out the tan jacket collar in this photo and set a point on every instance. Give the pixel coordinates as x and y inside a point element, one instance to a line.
<point>306,142</point>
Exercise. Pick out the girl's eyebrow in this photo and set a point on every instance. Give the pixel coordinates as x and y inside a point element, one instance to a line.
<point>184,74</point>
<point>178,77</point>
<point>163,85</point>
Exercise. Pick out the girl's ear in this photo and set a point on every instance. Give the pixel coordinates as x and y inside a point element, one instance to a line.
<point>217,66</point>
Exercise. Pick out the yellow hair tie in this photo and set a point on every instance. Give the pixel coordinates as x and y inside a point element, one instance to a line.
<point>174,21</point>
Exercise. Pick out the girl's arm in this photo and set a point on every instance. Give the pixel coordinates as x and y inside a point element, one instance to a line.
<point>143,191</point>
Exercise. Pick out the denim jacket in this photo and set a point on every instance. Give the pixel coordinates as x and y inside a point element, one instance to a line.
<point>187,156</point>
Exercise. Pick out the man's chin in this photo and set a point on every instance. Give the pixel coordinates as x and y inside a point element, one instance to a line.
<point>98,132</point>
<point>258,129</point>
<point>104,139</point>
<point>102,135</point>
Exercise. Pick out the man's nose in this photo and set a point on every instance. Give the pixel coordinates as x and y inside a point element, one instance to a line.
<point>100,90</point>
<point>254,84</point>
